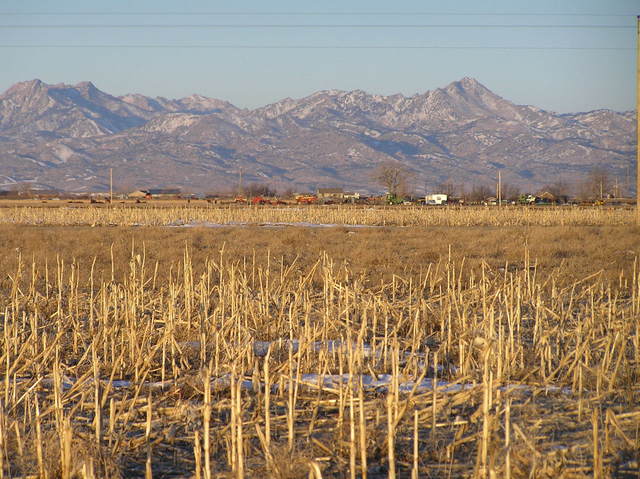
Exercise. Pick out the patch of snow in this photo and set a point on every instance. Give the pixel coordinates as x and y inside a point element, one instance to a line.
<point>170,123</point>
<point>62,152</point>
<point>370,383</point>
<point>261,349</point>
<point>10,180</point>
<point>301,224</point>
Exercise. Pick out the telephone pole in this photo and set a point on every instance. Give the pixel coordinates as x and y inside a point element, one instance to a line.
<point>638,121</point>
<point>110,185</point>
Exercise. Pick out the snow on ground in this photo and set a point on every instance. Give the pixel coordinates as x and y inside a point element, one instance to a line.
<point>329,382</point>
<point>326,382</point>
<point>301,224</point>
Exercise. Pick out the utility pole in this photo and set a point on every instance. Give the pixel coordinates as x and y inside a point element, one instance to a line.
<point>638,120</point>
<point>601,193</point>
<point>110,185</point>
<point>499,188</point>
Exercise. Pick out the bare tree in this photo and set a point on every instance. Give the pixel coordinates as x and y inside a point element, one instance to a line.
<point>259,189</point>
<point>560,189</point>
<point>288,192</point>
<point>24,190</point>
<point>393,177</point>
<point>447,188</point>
<point>510,192</point>
<point>480,192</point>
<point>597,184</point>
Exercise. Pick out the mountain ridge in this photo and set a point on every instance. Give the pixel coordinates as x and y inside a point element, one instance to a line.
<point>70,135</point>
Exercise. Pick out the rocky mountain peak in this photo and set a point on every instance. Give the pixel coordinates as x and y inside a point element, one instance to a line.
<point>201,104</point>
<point>468,88</point>
<point>86,86</point>
<point>30,87</point>
<point>470,83</point>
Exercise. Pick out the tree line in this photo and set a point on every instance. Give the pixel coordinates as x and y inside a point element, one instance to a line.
<point>396,180</point>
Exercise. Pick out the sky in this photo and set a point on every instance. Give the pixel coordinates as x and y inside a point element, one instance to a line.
<point>568,56</point>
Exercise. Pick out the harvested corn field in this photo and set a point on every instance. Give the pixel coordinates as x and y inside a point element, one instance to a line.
<point>212,216</point>
<point>259,358</point>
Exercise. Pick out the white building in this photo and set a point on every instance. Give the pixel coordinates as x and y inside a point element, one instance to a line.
<point>437,199</point>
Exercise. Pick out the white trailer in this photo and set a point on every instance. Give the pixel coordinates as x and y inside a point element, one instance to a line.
<point>437,199</point>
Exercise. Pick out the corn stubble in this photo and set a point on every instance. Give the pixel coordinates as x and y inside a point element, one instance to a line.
<point>258,368</point>
<point>151,215</point>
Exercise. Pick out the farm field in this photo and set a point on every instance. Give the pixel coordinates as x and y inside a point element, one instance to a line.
<point>171,213</point>
<point>439,343</point>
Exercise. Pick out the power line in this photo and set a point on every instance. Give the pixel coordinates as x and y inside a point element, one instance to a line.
<point>327,14</point>
<point>317,25</point>
<point>314,47</point>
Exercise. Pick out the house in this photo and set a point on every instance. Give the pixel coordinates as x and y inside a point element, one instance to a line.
<point>138,194</point>
<point>546,197</point>
<point>351,196</point>
<point>527,199</point>
<point>335,194</point>
<point>436,199</point>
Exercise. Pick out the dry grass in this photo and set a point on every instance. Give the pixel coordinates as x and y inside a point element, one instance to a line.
<point>131,352</point>
<point>377,253</point>
<point>150,215</point>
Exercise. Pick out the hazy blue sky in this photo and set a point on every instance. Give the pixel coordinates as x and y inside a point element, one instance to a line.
<point>547,67</point>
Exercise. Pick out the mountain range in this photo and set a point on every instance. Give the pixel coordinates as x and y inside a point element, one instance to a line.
<point>67,137</point>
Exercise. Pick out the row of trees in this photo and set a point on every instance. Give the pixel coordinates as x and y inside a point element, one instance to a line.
<point>598,184</point>
<point>396,181</point>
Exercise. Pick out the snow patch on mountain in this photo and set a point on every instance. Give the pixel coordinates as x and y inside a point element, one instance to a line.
<point>62,152</point>
<point>171,123</point>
